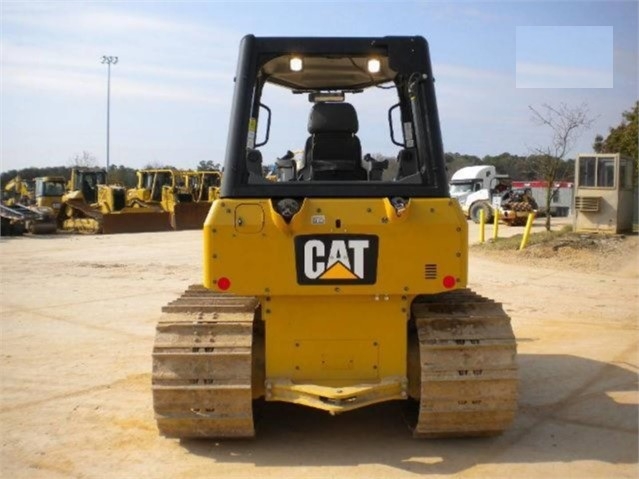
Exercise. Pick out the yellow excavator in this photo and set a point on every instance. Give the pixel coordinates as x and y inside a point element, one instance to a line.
<point>169,189</point>
<point>90,205</point>
<point>17,191</point>
<point>344,283</point>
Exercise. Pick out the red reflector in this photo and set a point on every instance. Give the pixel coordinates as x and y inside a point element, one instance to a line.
<point>223,283</point>
<point>449,282</point>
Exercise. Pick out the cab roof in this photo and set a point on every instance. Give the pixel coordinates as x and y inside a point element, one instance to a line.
<point>337,63</point>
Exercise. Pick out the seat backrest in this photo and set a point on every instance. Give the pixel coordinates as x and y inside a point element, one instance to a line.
<point>89,188</point>
<point>254,166</point>
<point>333,151</point>
<point>407,164</point>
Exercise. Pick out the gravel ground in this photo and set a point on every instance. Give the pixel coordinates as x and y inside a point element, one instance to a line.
<point>77,318</point>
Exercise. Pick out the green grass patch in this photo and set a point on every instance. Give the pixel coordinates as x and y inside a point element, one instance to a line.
<point>513,242</point>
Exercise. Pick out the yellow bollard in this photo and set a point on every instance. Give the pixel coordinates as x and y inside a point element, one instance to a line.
<point>524,240</point>
<point>482,224</point>
<point>496,225</point>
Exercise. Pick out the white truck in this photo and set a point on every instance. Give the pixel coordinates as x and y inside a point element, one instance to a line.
<point>476,188</point>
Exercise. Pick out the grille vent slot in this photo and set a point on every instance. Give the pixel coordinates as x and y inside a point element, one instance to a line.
<point>430,271</point>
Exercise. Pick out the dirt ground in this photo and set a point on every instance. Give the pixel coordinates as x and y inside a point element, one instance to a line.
<point>77,320</point>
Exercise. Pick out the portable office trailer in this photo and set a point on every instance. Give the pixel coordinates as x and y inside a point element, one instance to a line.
<point>604,197</point>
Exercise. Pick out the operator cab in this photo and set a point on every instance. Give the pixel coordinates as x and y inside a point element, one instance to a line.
<point>87,181</point>
<point>361,110</point>
<point>49,187</point>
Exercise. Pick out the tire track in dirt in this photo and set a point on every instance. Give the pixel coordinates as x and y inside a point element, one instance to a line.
<point>19,309</point>
<point>134,378</point>
<point>552,411</point>
<point>114,331</point>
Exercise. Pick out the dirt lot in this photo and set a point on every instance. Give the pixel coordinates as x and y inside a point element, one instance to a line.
<point>77,322</point>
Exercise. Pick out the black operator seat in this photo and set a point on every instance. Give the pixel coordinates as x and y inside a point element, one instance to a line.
<point>407,161</point>
<point>333,151</point>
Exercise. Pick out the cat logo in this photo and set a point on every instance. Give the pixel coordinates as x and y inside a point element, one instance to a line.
<point>336,259</point>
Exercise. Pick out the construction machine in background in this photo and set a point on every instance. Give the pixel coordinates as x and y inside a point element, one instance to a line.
<point>204,185</point>
<point>17,191</point>
<point>481,188</point>
<point>21,212</point>
<point>561,199</point>
<point>366,298</point>
<point>18,219</point>
<point>12,223</point>
<point>168,189</point>
<point>515,205</point>
<point>90,205</point>
<point>48,192</point>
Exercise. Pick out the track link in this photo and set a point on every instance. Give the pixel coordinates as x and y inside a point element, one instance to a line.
<point>467,353</point>
<point>202,363</point>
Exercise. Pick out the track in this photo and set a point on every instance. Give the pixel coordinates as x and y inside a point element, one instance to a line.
<point>202,364</point>
<point>78,216</point>
<point>468,371</point>
<point>84,209</point>
<point>465,374</point>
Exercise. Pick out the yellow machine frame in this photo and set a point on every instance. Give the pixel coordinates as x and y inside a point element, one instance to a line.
<point>339,346</point>
<point>340,281</point>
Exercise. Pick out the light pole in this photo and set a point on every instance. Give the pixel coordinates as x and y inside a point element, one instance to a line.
<point>109,61</point>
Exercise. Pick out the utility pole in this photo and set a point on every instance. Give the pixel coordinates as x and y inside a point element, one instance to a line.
<point>109,61</point>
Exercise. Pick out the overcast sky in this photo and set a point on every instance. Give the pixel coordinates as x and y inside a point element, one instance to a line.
<point>171,88</point>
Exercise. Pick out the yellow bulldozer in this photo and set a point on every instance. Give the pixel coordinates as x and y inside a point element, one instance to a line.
<point>343,283</point>
<point>204,185</point>
<point>49,191</point>
<point>90,205</point>
<point>169,189</point>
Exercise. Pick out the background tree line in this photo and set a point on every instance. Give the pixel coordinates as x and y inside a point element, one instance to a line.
<point>518,167</point>
<point>620,139</point>
<point>117,174</point>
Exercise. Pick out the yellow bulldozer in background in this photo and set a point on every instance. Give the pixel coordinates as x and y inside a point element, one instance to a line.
<point>336,286</point>
<point>164,199</point>
<point>204,185</point>
<point>90,205</point>
<point>169,189</point>
<point>48,192</point>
